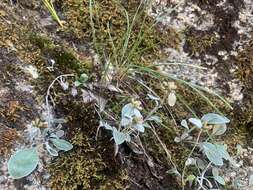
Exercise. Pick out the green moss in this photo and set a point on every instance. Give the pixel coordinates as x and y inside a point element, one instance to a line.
<point>66,59</point>
<point>82,168</point>
<point>244,72</point>
<point>41,41</point>
<point>90,165</point>
<point>200,43</point>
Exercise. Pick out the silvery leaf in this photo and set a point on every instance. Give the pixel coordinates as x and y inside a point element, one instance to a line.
<point>137,113</point>
<point>126,121</point>
<point>214,119</point>
<point>59,133</point>
<point>119,137</point>
<point>146,125</point>
<point>219,129</point>
<point>153,97</point>
<point>105,125</point>
<point>155,118</point>
<point>220,180</point>
<point>184,124</point>
<point>54,136</point>
<point>127,110</point>
<point>128,138</point>
<point>59,120</point>
<point>215,171</point>
<point>139,127</point>
<point>61,144</point>
<point>51,150</point>
<point>251,181</point>
<point>23,162</point>
<point>196,122</point>
<point>215,153</point>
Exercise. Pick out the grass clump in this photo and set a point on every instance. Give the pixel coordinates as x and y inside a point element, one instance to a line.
<point>111,24</point>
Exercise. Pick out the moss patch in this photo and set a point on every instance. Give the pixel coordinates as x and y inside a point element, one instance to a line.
<point>91,164</point>
<point>200,43</point>
<point>244,72</point>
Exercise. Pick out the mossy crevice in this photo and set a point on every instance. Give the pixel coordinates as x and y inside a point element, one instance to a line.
<point>244,72</point>
<point>90,165</point>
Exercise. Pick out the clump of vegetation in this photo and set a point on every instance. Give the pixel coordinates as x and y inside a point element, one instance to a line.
<point>125,99</point>
<point>110,23</point>
<point>24,161</point>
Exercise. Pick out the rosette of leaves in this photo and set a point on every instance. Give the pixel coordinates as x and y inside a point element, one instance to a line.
<point>81,80</point>
<point>24,161</point>
<point>131,122</point>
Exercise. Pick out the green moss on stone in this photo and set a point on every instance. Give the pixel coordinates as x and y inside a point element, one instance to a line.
<point>200,43</point>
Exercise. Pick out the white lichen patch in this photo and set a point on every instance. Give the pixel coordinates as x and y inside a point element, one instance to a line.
<point>22,86</point>
<point>179,64</point>
<point>182,14</point>
<point>235,90</point>
<point>31,70</point>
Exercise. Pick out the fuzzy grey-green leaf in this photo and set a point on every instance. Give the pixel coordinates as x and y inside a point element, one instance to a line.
<point>214,119</point>
<point>23,162</point>
<point>220,180</point>
<point>196,122</point>
<point>62,144</point>
<point>212,153</point>
<point>119,137</point>
<point>251,181</point>
<point>219,129</point>
<point>50,150</point>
